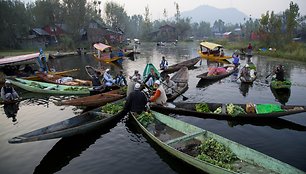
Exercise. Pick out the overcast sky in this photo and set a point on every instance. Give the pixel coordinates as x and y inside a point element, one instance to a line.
<point>250,7</point>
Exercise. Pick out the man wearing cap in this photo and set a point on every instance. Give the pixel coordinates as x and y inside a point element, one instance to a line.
<point>245,72</point>
<point>8,93</point>
<point>159,96</point>
<point>136,101</point>
<point>108,79</point>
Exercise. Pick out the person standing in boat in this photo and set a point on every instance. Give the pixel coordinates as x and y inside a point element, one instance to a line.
<point>152,77</point>
<point>108,79</point>
<point>136,101</point>
<point>163,63</point>
<point>280,73</point>
<point>42,61</point>
<point>235,59</point>
<point>8,93</point>
<point>159,96</point>
<point>169,86</point>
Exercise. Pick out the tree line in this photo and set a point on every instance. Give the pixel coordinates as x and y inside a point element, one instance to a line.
<point>18,18</point>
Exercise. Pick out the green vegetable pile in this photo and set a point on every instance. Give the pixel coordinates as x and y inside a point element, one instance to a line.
<point>234,110</point>
<point>112,108</point>
<point>218,110</point>
<point>202,107</point>
<point>36,85</point>
<point>216,153</point>
<point>75,89</point>
<point>145,118</point>
<point>123,90</point>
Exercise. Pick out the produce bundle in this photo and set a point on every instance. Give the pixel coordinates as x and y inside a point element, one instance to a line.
<point>36,85</point>
<point>234,110</point>
<point>216,153</point>
<point>75,89</point>
<point>145,118</point>
<point>202,107</point>
<point>113,108</point>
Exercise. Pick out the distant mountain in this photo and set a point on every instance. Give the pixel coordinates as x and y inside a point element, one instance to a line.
<point>211,14</point>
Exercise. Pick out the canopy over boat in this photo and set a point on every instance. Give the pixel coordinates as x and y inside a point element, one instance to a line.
<point>101,46</point>
<point>18,59</point>
<point>210,45</point>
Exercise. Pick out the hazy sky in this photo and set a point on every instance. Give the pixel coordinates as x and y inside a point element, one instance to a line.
<point>250,7</point>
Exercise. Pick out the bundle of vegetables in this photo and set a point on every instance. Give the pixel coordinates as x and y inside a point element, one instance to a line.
<point>145,118</point>
<point>123,90</point>
<point>75,89</point>
<point>218,110</point>
<point>202,107</point>
<point>37,85</point>
<point>113,108</point>
<point>234,110</point>
<point>216,153</point>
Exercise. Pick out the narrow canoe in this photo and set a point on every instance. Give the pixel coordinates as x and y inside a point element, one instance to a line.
<point>76,125</point>
<point>188,63</point>
<point>17,60</point>
<point>56,79</point>
<point>184,108</point>
<point>49,88</point>
<point>276,84</point>
<point>147,70</point>
<point>107,59</point>
<point>217,77</point>
<point>212,57</point>
<point>281,95</point>
<point>35,77</point>
<point>182,140</point>
<point>181,80</point>
<point>95,100</point>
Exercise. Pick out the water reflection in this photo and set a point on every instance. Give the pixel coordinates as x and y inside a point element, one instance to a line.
<point>68,148</point>
<point>11,110</point>
<point>244,88</point>
<point>281,95</point>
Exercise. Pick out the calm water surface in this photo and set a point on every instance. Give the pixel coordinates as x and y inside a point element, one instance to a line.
<point>121,148</point>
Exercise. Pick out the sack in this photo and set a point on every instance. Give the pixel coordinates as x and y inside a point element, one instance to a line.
<point>250,108</point>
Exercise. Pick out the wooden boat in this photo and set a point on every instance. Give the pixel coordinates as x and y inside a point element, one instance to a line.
<point>49,88</point>
<point>76,125</point>
<point>281,95</point>
<point>184,108</point>
<point>106,54</point>
<point>276,84</point>
<point>147,70</point>
<point>230,70</point>
<point>58,79</point>
<point>95,100</point>
<point>18,60</point>
<point>188,63</point>
<point>182,140</point>
<point>211,51</point>
<point>181,80</point>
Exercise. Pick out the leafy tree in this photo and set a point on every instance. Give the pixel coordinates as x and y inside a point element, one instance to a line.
<point>115,15</point>
<point>219,26</point>
<point>291,16</point>
<point>147,24</point>
<point>178,13</point>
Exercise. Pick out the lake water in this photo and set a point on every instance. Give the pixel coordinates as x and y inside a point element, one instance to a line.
<point>121,148</point>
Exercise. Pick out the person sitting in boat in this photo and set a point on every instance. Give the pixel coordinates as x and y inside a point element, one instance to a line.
<point>245,72</point>
<point>108,79</point>
<point>159,96</point>
<point>152,77</point>
<point>42,61</point>
<point>96,81</point>
<point>163,63</point>
<point>137,75</point>
<point>136,101</point>
<point>8,93</point>
<point>169,86</point>
<point>222,53</point>
<point>235,59</point>
<point>120,79</point>
<point>280,73</point>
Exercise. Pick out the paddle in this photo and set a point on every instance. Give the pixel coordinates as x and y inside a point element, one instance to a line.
<point>184,97</point>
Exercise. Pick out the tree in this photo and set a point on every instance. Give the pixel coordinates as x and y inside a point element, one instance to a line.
<point>177,15</point>
<point>147,25</point>
<point>291,16</point>
<point>115,15</point>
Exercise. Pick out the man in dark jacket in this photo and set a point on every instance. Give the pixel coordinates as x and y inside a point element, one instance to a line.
<point>136,101</point>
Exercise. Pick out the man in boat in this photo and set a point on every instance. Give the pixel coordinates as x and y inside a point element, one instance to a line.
<point>249,49</point>
<point>169,86</point>
<point>96,81</point>
<point>42,61</point>
<point>159,96</point>
<point>235,59</point>
<point>163,63</point>
<point>280,73</point>
<point>8,93</point>
<point>120,79</point>
<point>152,77</point>
<point>137,75</point>
<point>131,85</point>
<point>222,53</point>
<point>108,79</point>
<point>245,72</point>
<point>136,101</point>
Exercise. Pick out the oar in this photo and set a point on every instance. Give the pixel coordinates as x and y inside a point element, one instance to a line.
<point>184,97</point>
<point>268,76</point>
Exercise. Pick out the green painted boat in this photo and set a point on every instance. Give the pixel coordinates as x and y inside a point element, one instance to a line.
<point>276,84</point>
<point>79,124</point>
<point>181,140</point>
<point>147,69</point>
<point>49,88</point>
